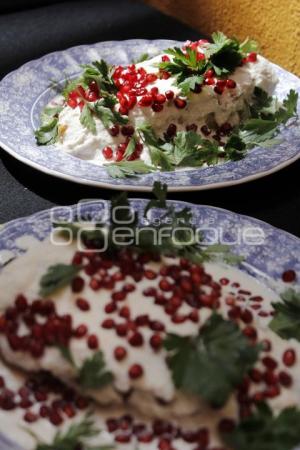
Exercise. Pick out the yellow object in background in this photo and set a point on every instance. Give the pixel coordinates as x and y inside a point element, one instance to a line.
<point>274,24</point>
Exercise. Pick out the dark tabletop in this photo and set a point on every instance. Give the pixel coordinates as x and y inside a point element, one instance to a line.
<point>29,30</point>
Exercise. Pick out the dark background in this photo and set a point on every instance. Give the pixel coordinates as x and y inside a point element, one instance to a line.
<point>29,29</point>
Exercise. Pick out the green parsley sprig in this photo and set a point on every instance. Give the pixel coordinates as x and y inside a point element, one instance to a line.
<point>212,363</point>
<point>262,430</point>
<point>286,321</point>
<point>77,436</point>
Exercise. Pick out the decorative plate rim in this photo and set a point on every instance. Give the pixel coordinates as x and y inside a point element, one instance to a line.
<point>191,178</point>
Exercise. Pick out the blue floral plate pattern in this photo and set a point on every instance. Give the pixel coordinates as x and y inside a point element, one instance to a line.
<point>24,93</point>
<point>278,252</point>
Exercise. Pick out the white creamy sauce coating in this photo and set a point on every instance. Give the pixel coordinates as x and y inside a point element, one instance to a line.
<point>22,276</point>
<point>80,142</point>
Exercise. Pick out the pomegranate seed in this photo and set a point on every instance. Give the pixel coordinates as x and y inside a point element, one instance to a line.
<point>226,425</point>
<point>82,403</point>
<point>69,411</point>
<point>230,84</point>
<point>250,332</point>
<point>289,276</point>
<point>123,438</point>
<point>155,325</point>
<point>123,110</point>
<point>209,73</point>
<point>289,357</point>
<point>205,130</point>
<point>218,90</point>
<point>145,437</point>
<point>156,341</point>
<point>122,329</point>
<point>142,320</point>
<point>125,312</point>
<point>252,57</point>
<point>171,130</point>
<point>169,95</point>
<point>270,377</point>
<point>127,130</point>
<point>93,342</point>
<point>164,285</point>
<point>272,391</point>
<point>165,58</point>
<point>77,284</point>
<point>151,77</point>
<point>255,375</point>
<point>108,324</point>
<point>135,371</point>
<point>107,152</point>
<point>192,127</point>
<point>110,307</point>
<point>180,103</point>
<point>154,91</point>
<point>114,130</point>
<point>81,331</point>
<point>146,100</point>
<point>285,379</point>
<point>83,304</point>
<point>2,382</point>
<point>246,316</point>
<point>55,418</point>
<point>30,417</point>
<point>194,316</point>
<point>120,353</point>
<point>72,103</point>
<point>269,362</point>
<point>160,98</point>
<point>21,303</point>
<point>118,296</point>
<point>157,107</point>
<point>112,425</point>
<point>136,340</point>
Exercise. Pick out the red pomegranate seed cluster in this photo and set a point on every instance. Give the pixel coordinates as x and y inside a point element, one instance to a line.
<point>42,397</point>
<point>178,285</point>
<point>79,96</point>
<point>55,329</point>
<point>127,430</point>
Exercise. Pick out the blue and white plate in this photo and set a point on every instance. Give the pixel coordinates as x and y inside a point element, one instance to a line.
<point>24,93</point>
<point>276,252</point>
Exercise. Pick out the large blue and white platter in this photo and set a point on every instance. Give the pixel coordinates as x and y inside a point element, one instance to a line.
<point>24,93</point>
<point>266,258</point>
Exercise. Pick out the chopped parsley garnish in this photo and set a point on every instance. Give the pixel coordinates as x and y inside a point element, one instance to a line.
<point>212,363</point>
<point>92,375</point>
<point>75,437</point>
<point>262,430</point>
<point>223,55</point>
<point>56,277</point>
<point>286,321</point>
<point>125,169</point>
<point>189,149</point>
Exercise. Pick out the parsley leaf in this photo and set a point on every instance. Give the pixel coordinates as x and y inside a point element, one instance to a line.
<point>101,72</point>
<point>286,322</point>
<point>125,169</point>
<point>75,436</point>
<point>213,363</point>
<point>264,431</point>
<point>160,192</point>
<point>47,134</point>
<point>56,277</point>
<point>190,83</point>
<point>108,116</point>
<point>48,131</point>
<point>87,119</point>
<point>92,374</point>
